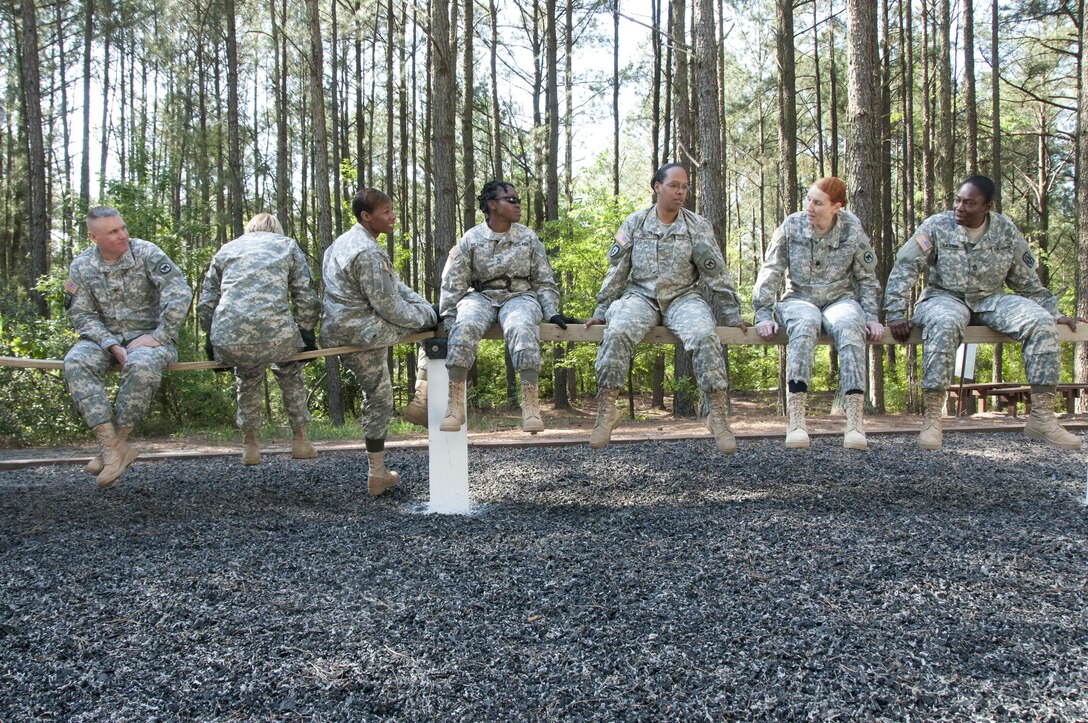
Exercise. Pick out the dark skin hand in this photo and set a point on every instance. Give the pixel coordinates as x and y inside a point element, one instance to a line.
<point>1071,322</point>
<point>901,329</point>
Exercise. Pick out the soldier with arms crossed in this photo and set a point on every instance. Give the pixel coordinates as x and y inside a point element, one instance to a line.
<point>661,262</point>
<point>831,282</point>
<point>368,307</point>
<point>969,255</point>
<point>245,308</point>
<point>126,299</point>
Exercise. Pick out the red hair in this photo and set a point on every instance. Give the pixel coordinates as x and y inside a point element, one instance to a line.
<point>834,188</point>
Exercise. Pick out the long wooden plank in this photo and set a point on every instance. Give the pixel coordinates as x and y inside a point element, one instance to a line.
<point>593,335</point>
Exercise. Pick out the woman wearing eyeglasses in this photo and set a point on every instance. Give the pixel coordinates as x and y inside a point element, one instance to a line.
<point>661,261</point>
<point>498,271</point>
<point>830,272</point>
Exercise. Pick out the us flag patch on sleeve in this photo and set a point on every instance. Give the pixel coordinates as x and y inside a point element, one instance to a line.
<point>621,239</point>
<point>70,287</point>
<point>455,252</point>
<point>923,242</point>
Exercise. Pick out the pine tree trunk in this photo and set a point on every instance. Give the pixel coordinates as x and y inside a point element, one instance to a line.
<point>38,217</point>
<point>234,138</point>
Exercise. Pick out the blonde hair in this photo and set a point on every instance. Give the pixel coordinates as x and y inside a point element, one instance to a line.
<point>264,222</point>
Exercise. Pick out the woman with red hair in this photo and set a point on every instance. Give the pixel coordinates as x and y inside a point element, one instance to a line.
<point>830,272</point>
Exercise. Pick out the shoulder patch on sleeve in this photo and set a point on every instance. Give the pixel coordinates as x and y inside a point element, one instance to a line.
<point>70,287</point>
<point>1028,260</point>
<point>709,263</point>
<point>870,258</point>
<point>455,252</point>
<point>622,239</point>
<point>165,268</point>
<point>923,241</point>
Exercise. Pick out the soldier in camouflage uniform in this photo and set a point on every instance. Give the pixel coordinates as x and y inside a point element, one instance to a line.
<point>368,307</point>
<point>968,256</point>
<point>831,282</point>
<point>498,271</point>
<point>661,262</point>
<point>245,308</point>
<point>126,299</point>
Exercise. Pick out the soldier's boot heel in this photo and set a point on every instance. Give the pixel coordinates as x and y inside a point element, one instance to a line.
<point>718,423</point>
<point>796,427</point>
<point>455,408</point>
<point>301,448</point>
<point>1042,424</point>
<point>379,479</point>
<point>251,452</point>
<point>932,437</point>
<point>607,418</point>
<point>531,419</point>
<point>416,411</point>
<point>854,438</point>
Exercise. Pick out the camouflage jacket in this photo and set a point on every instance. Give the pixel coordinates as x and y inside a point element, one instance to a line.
<point>976,275</point>
<point>823,270</point>
<point>248,293</point>
<point>143,292</point>
<point>500,269</point>
<point>361,290</point>
<point>663,263</point>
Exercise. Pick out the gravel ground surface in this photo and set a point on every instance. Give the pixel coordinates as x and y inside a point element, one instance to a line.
<point>643,581</point>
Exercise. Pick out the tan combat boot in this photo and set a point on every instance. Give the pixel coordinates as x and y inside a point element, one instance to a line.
<point>94,466</point>
<point>251,452</point>
<point>379,479</point>
<point>607,418</point>
<point>796,428</point>
<point>855,413</point>
<point>416,411</point>
<point>933,410</point>
<point>455,408</point>
<point>300,444</point>
<point>116,454</point>
<point>1043,425</point>
<point>531,421</point>
<point>718,423</point>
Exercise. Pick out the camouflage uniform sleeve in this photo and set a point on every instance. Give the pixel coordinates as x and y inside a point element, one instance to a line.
<point>910,262</point>
<point>619,268</point>
<point>382,290</point>
<point>717,279</point>
<point>769,279</point>
<point>83,312</point>
<point>174,295</point>
<point>865,281</point>
<point>306,305</point>
<point>1023,278</point>
<point>209,297</point>
<point>456,277</point>
<point>543,280</point>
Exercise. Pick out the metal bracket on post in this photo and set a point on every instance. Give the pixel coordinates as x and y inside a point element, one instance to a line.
<point>447,451</point>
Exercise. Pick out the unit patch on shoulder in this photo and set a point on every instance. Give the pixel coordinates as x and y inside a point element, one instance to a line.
<point>621,239</point>
<point>1029,261</point>
<point>923,242</point>
<point>165,268</point>
<point>710,264</point>
<point>70,287</point>
<point>869,257</point>
<point>615,250</point>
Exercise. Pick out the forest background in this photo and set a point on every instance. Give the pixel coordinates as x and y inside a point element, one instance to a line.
<point>189,117</point>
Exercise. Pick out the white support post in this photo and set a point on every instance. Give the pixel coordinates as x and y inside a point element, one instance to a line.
<point>447,451</point>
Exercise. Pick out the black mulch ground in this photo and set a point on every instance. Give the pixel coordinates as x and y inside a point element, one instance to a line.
<point>641,581</point>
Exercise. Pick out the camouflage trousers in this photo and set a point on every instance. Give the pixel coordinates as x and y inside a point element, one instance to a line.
<point>688,317</point>
<point>844,322</point>
<point>250,361</point>
<point>85,367</point>
<point>371,371</point>
<point>943,320</point>
<point>519,318</point>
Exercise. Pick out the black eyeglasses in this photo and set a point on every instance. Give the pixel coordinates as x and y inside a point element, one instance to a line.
<point>509,199</point>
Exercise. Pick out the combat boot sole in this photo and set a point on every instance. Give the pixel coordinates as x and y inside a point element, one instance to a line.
<point>797,439</point>
<point>1041,436</point>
